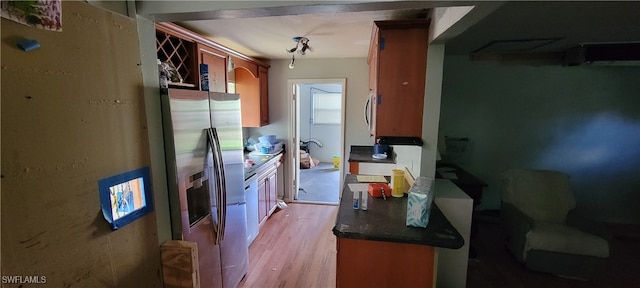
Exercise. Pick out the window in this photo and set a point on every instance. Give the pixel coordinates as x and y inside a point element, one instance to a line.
<point>327,108</point>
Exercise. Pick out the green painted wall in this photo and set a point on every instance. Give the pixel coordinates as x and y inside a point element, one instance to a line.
<point>582,120</point>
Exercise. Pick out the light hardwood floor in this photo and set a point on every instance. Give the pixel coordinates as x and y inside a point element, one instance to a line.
<point>295,248</point>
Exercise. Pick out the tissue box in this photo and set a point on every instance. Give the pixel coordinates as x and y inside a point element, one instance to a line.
<point>419,202</point>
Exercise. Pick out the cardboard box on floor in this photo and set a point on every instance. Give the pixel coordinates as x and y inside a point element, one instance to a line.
<point>306,161</point>
<point>180,266</point>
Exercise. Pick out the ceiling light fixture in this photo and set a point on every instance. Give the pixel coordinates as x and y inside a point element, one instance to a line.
<point>302,46</point>
<point>293,59</point>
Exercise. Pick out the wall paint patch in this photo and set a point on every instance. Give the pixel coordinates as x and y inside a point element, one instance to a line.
<point>28,44</point>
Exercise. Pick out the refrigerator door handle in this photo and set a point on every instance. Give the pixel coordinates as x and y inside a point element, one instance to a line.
<point>215,193</point>
<point>221,188</point>
<point>366,111</point>
<point>223,184</point>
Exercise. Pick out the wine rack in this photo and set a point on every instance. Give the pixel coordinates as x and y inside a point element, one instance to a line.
<point>180,53</point>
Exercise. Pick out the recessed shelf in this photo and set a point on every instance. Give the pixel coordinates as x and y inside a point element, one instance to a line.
<point>180,53</point>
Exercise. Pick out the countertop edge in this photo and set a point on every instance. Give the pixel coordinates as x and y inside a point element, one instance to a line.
<point>256,168</point>
<point>445,243</point>
<point>357,236</point>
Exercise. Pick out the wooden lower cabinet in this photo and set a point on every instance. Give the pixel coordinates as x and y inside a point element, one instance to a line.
<point>262,201</point>
<point>366,263</point>
<point>268,189</point>
<point>272,193</point>
<point>267,195</point>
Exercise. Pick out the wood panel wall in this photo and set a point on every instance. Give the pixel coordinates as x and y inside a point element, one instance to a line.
<point>72,114</point>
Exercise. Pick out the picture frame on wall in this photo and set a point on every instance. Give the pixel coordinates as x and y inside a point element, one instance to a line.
<point>125,197</point>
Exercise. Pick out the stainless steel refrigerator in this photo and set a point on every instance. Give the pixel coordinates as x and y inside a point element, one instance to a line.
<point>203,144</point>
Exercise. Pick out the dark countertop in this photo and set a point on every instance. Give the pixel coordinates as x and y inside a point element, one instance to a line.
<point>259,160</point>
<point>385,221</point>
<point>364,154</point>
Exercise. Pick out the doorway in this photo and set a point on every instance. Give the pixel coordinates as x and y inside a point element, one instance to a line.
<point>318,128</point>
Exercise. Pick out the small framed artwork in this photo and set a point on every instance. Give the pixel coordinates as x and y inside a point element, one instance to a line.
<point>125,197</point>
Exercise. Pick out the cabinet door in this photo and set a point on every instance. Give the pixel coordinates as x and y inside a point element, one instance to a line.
<point>242,63</point>
<point>262,200</point>
<point>273,192</point>
<point>217,62</point>
<point>373,82</point>
<point>248,86</point>
<point>401,72</point>
<point>263,75</point>
<point>356,258</point>
<point>254,96</point>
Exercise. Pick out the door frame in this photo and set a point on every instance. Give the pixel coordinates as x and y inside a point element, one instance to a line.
<point>294,131</point>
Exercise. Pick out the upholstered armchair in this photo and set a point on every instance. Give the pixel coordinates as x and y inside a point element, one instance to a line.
<point>543,229</point>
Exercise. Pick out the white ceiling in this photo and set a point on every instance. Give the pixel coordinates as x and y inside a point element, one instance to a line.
<point>338,35</point>
<point>337,30</point>
<point>340,32</point>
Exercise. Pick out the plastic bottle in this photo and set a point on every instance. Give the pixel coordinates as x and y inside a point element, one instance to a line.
<point>336,162</point>
<point>397,182</point>
<point>356,200</point>
<point>364,201</point>
<point>204,77</point>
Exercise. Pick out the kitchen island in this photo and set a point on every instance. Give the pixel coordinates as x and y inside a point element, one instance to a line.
<point>376,249</point>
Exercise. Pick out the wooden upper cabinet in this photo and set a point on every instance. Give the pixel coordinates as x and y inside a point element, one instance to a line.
<point>241,63</point>
<point>263,75</point>
<point>372,60</point>
<point>217,63</point>
<point>187,50</point>
<point>254,97</point>
<point>398,59</point>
